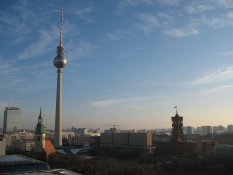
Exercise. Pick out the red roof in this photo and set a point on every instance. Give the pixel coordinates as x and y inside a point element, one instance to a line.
<point>49,148</point>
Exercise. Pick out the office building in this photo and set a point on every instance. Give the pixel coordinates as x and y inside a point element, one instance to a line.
<point>128,141</point>
<point>188,130</point>
<point>204,130</point>
<point>218,129</point>
<point>230,128</point>
<point>11,121</point>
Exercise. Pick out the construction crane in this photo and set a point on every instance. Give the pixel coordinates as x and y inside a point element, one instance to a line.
<point>113,130</point>
<point>114,126</point>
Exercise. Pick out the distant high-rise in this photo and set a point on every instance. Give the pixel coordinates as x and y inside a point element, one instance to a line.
<point>188,130</point>
<point>204,130</point>
<point>40,134</point>
<point>11,121</point>
<point>230,128</point>
<point>177,128</point>
<point>59,62</point>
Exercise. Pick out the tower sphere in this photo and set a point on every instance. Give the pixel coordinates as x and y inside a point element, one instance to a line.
<point>60,60</point>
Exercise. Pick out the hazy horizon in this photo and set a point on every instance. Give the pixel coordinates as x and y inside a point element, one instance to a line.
<point>129,62</point>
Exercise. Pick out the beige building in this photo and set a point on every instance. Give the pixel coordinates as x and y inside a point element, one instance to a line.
<point>23,145</point>
<point>130,141</point>
<point>2,146</point>
<point>22,140</point>
<point>81,140</point>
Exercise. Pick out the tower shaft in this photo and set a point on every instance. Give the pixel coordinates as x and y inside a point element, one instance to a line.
<point>58,117</point>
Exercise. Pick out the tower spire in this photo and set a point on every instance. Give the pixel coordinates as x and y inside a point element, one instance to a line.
<point>40,119</point>
<point>176,109</point>
<point>40,113</point>
<point>61,27</point>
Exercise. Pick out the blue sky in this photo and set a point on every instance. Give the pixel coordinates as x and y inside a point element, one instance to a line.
<point>129,61</point>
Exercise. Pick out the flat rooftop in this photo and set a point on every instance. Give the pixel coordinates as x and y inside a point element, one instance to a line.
<point>19,163</point>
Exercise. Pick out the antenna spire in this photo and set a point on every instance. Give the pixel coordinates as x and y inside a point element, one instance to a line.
<point>61,26</point>
<point>176,109</point>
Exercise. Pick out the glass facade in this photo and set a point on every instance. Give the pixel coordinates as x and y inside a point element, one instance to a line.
<point>11,119</point>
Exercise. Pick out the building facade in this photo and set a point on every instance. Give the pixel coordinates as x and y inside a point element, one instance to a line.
<point>11,120</point>
<point>230,128</point>
<point>128,141</point>
<point>188,130</point>
<point>204,130</point>
<point>218,129</point>
<point>2,145</point>
<point>20,140</point>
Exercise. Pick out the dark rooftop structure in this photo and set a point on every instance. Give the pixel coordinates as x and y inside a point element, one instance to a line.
<point>19,163</point>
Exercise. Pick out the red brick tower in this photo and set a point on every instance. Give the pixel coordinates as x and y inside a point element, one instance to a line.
<point>177,128</point>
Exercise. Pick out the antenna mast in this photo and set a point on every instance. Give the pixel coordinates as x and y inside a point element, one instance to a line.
<point>61,26</point>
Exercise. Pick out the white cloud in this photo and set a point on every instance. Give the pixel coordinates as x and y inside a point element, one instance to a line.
<point>168,2</point>
<point>220,21</point>
<point>217,90</point>
<point>129,3</point>
<point>120,101</point>
<point>82,49</point>
<point>227,53</point>
<point>14,23</point>
<point>14,75</point>
<point>43,45</point>
<point>220,75</point>
<point>148,2</point>
<point>224,3</point>
<point>117,35</point>
<point>147,22</point>
<point>194,8</point>
<point>106,103</point>
<point>4,65</point>
<point>179,32</point>
<point>84,13</point>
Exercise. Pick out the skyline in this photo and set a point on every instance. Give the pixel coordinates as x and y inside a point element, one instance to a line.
<point>129,62</point>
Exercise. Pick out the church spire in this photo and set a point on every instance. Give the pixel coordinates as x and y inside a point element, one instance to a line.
<point>40,119</point>
<point>40,125</point>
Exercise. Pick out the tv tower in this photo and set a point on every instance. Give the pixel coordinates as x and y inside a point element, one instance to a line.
<point>59,62</point>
